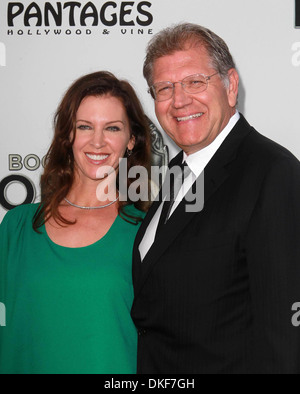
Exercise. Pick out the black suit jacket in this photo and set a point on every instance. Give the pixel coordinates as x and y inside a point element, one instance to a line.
<point>215,292</point>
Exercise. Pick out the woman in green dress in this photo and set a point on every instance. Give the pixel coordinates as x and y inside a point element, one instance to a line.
<point>65,264</point>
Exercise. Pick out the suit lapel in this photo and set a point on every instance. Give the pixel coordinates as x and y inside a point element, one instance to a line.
<point>175,225</point>
<point>156,204</point>
<point>218,169</point>
<point>216,173</point>
<point>137,264</point>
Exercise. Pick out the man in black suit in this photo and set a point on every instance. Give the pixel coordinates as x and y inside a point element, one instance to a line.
<point>214,288</point>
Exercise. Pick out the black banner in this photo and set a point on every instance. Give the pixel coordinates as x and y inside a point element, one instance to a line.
<point>298,13</point>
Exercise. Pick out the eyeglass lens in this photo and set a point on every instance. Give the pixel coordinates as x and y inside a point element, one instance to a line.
<point>193,84</point>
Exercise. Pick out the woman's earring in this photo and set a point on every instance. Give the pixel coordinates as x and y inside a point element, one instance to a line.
<point>128,153</point>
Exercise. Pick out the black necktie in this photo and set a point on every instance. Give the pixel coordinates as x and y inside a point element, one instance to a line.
<point>176,182</point>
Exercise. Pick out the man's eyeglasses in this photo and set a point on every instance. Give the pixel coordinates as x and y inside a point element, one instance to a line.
<point>193,84</point>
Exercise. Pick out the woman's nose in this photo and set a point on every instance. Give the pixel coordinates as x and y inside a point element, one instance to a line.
<point>98,139</point>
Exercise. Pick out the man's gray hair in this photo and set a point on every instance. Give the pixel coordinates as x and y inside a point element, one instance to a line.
<point>184,36</point>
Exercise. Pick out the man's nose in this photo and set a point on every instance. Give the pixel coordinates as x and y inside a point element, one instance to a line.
<point>181,98</point>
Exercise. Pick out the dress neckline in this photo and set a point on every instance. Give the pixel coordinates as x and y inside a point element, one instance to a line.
<point>102,239</point>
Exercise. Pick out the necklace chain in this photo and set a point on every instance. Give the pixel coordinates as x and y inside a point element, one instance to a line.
<point>91,208</point>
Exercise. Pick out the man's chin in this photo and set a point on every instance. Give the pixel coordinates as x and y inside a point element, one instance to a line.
<point>190,147</point>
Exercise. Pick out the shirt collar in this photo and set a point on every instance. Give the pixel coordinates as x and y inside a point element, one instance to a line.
<point>199,160</point>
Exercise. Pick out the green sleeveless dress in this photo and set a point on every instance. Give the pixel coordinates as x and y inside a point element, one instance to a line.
<point>67,310</point>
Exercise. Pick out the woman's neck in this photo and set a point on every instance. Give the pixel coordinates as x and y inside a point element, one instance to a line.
<point>89,193</point>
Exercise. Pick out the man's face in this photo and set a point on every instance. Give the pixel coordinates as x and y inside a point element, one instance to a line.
<point>205,114</point>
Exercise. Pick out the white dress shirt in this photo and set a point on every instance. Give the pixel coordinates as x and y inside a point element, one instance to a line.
<point>197,163</point>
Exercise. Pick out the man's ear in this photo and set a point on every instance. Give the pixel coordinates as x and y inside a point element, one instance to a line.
<point>233,89</point>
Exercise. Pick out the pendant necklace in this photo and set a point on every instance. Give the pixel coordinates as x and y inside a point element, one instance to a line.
<point>91,208</point>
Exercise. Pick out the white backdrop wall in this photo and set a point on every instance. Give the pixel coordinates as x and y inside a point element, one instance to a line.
<point>39,59</point>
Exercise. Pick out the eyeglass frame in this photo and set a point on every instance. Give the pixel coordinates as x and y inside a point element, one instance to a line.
<point>151,90</point>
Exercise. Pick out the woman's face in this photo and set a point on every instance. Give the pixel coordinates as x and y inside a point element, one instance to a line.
<point>102,135</point>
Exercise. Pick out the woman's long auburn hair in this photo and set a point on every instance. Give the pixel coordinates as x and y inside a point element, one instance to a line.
<point>59,174</point>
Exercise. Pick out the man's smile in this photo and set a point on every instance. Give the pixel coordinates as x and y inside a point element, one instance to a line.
<point>190,117</point>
